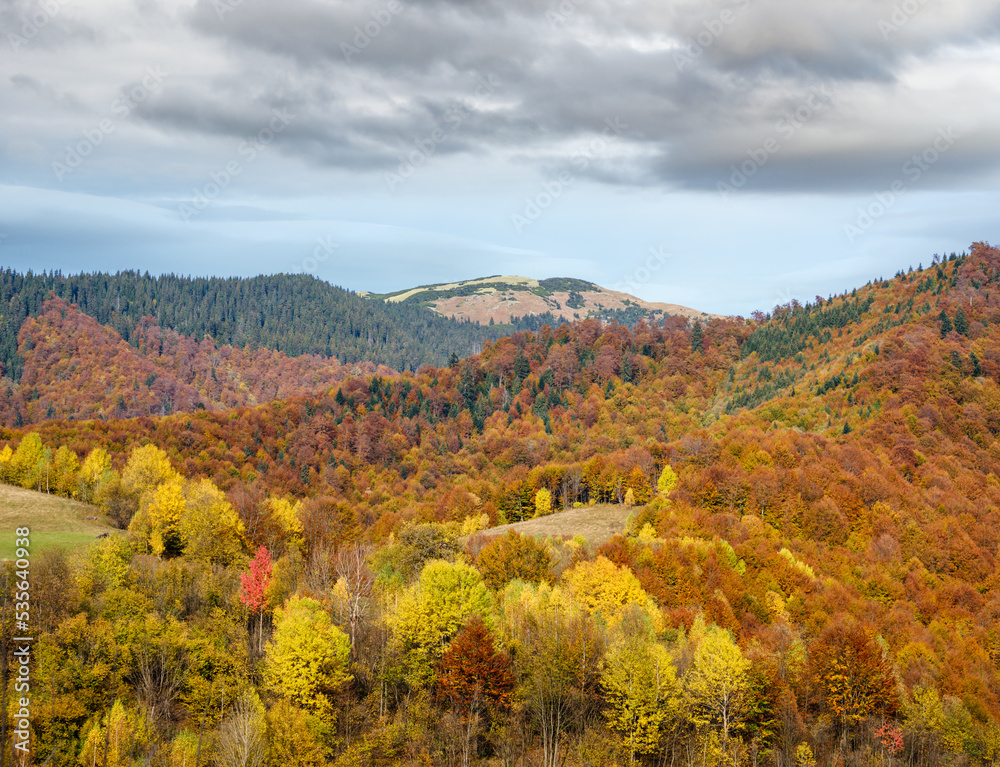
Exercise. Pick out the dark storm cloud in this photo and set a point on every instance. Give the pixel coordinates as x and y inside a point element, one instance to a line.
<point>699,85</point>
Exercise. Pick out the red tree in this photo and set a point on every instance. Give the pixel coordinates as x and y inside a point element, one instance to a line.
<point>474,678</point>
<point>253,588</point>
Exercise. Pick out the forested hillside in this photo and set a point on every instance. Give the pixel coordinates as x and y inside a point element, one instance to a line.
<point>74,367</point>
<point>809,574</point>
<point>294,314</point>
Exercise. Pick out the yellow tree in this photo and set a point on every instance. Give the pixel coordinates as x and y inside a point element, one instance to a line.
<point>117,737</point>
<point>924,720</point>
<point>286,513</point>
<point>7,465</point>
<point>184,749</point>
<point>148,467</point>
<point>603,587</point>
<point>27,461</point>
<point>295,736</point>
<point>431,612</point>
<point>209,527</point>
<point>65,468</point>
<point>716,685</point>
<point>562,656</point>
<point>667,481</point>
<point>640,688</point>
<point>156,526</point>
<point>543,502</point>
<point>307,658</point>
<point>92,472</point>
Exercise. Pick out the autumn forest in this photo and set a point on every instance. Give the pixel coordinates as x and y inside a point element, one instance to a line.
<point>305,568</point>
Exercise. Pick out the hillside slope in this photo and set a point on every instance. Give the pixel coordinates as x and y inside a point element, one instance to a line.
<point>595,524</point>
<point>135,345</point>
<point>74,367</point>
<point>825,468</point>
<point>53,521</point>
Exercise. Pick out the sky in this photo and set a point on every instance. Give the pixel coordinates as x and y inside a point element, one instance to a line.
<point>729,156</point>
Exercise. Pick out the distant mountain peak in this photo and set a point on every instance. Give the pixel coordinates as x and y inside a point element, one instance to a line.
<point>503,298</point>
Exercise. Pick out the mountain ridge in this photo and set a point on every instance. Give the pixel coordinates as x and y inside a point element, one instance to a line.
<point>505,298</point>
<point>127,345</point>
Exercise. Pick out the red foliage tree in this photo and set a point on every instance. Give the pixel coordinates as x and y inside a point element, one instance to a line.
<point>253,588</point>
<point>475,679</point>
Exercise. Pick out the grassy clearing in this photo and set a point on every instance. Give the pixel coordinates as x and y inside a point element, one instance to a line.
<point>53,521</point>
<point>597,524</point>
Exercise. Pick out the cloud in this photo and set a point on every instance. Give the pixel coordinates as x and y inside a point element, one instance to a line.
<point>701,86</point>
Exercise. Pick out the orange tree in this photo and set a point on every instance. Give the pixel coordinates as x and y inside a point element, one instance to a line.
<point>475,679</point>
<point>514,556</point>
<point>852,676</point>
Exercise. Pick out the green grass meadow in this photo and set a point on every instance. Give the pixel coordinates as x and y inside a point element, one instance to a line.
<point>53,521</point>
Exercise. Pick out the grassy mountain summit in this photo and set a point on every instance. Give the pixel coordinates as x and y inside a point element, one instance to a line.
<point>503,299</point>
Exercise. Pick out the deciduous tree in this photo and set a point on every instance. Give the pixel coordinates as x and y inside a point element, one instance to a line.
<point>715,686</point>
<point>147,467</point>
<point>356,582</point>
<point>25,465</point>
<point>514,556</point>
<point>640,688</point>
<point>253,589</point>
<point>65,468</point>
<point>474,679</point>
<point>117,739</point>
<point>295,737</point>
<point>241,736</point>
<point>563,653</point>
<point>308,656</point>
<point>543,502</point>
<point>157,525</point>
<point>852,675</point>
<point>431,612</point>
<point>210,529</point>
<point>605,588</point>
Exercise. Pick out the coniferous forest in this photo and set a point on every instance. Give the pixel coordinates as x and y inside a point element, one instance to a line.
<point>304,567</point>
